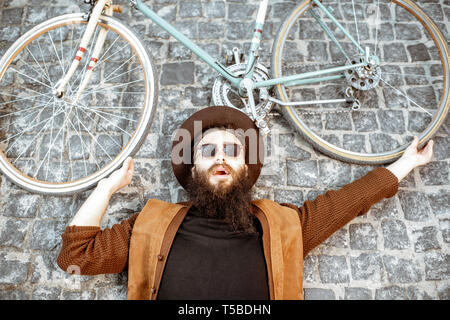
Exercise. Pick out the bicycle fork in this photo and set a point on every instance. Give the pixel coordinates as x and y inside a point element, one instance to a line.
<point>87,36</point>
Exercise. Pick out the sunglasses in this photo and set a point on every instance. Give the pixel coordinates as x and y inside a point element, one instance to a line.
<point>209,150</point>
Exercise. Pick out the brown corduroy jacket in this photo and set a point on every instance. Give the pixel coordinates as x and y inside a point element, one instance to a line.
<point>289,233</point>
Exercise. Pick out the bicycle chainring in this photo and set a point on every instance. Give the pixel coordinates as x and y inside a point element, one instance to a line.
<point>226,95</point>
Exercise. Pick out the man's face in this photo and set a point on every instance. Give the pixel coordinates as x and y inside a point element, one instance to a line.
<point>220,157</point>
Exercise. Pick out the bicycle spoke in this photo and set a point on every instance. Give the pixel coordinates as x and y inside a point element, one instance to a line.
<point>404,95</point>
<point>62,52</point>
<point>30,78</point>
<point>356,22</point>
<point>56,51</point>
<point>110,46</point>
<point>108,78</point>
<point>24,118</point>
<point>31,142</point>
<point>21,99</point>
<point>111,114</point>
<point>87,148</point>
<point>51,137</point>
<point>101,60</point>
<point>110,107</point>
<point>45,63</point>
<point>44,73</point>
<point>108,135</point>
<point>95,140</point>
<point>52,143</point>
<point>20,111</point>
<point>98,113</point>
<point>110,87</point>
<point>376,27</point>
<point>38,93</point>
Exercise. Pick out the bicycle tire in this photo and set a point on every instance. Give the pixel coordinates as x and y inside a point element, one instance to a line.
<point>122,96</point>
<point>435,66</point>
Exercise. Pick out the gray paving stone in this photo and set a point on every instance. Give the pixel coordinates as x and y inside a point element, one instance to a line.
<point>395,235</point>
<point>390,293</point>
<point>289,196</point>
<point>444,291</point>
<point>401,270</point>
<point>384,209</point>
<point>357,294</point>
<point>333,269</point>
<point>46,293</point>
<point>338,239</point>
<point>334,174</point>
<point>445,229</point>
<point>177,73</point>
<point>77,295</point>
<point>190,9</point>
<point>309,268</point>
<point>302,174</point>
<point>55,207</point>
<point>13,233</point>
<point>12,271</point>
<point>21,206</point>
<point>366,266</point>
<point>414,293</point>
<point>435,173</point>
<point>363,236</point>
<point>425,239</point>
<point>440,202</point>
<point>318,294</point>
<point>14,295</point>
<point>46,234</point>
<point>215,9</point>
<point>414,205</point>
<point>437,266</point>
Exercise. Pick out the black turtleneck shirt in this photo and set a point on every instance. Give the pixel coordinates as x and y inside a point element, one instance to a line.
<point>209,261</point>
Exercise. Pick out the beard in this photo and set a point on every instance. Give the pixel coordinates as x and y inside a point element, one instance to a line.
<point>229,202</point>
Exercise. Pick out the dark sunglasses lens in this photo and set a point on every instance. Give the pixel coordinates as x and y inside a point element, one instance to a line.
<point>231,150</point>
<point>208,150</point>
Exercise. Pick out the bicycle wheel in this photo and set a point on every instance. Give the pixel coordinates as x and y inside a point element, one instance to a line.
<point>404,93</point>
<point>53,145</point>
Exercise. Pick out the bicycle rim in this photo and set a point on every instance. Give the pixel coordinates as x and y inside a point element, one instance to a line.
<point>410,98</point>
<point>57,146</point>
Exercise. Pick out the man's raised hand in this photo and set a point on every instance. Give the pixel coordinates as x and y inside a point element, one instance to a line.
<point>119,178</point>
<point>411,159</point>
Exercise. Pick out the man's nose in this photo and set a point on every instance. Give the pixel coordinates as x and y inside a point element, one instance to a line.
<point>220,156</point>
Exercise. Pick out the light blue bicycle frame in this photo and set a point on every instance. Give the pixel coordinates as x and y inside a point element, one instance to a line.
<point>292,80</point>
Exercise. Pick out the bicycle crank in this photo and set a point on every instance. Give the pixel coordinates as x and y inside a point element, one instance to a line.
<point>255,107</point>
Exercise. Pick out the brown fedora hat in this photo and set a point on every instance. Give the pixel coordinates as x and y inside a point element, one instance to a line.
<point>212,117</point>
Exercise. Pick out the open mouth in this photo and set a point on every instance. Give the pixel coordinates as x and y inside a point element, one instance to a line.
<point>221,171</point>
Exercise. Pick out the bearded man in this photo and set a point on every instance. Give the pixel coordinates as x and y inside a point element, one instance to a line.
<point>220,244</point>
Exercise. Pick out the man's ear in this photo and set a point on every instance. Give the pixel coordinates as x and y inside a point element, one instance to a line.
<point>246,170</point>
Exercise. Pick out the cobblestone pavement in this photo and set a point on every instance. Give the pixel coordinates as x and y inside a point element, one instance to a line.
<point>399,250</point>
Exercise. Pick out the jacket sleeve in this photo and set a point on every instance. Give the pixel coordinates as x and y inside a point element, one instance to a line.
<point>90,251</point>
<point>331,211</point>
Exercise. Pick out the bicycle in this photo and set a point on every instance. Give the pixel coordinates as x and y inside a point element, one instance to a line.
<point>84,119</point>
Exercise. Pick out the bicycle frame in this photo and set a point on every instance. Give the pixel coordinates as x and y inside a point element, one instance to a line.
<point>252,55</point>
<point>302,78</point>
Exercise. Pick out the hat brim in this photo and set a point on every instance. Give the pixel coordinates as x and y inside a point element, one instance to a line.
<point>210,117</point>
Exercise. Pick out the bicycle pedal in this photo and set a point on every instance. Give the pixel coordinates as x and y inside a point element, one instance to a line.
<point>238,55</point>
<point>229,57</point>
